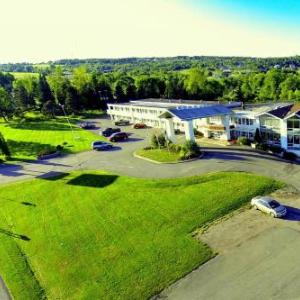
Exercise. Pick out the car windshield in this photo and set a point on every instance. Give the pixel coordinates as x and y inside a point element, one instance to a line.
<point>274,204</point>
<point>98,143</point>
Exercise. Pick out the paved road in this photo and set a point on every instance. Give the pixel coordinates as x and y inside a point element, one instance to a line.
<point>121,161</point>
<point>4,294</point>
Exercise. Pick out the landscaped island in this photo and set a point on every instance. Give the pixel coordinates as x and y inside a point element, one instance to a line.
<point>94,235</point>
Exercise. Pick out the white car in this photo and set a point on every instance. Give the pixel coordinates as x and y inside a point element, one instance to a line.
<point>269,206</point>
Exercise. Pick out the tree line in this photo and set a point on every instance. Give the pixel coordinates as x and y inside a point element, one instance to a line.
<point>84,89</point>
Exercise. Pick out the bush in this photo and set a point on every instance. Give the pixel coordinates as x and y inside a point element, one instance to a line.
<point>59,148</point>
<point>148,148</point>
<point>242,140</point>
<point>275,149</point>
<point>158,141</point>
<point>189,149</point>
<point>175,148</point>
<point>289,156</point>
<point>46,151</point>
<point>262,146</point>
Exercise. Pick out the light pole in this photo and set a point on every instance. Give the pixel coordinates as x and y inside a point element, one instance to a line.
<point>63,109</point>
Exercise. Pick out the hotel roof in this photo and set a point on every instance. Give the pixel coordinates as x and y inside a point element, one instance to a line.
<point>187,114</point>
<point>285,111</point>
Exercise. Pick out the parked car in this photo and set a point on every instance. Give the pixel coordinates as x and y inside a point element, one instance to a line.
<point>122,122</point>
<point>109,131</point>
<point>100,146</point>
<point>87,125</point>
<point>139,126</point>
<point>269,206</point>
<point>118,136</point>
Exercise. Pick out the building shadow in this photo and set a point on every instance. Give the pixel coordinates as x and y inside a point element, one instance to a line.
<point>293,214</point>
<point>14,235</point>
<point>217,152</point>
<point>93,180</point>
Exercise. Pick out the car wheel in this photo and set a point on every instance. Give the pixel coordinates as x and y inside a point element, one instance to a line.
<point>255,207</point>
<point>272,215</point>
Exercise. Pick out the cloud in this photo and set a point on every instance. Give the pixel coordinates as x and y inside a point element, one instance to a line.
<point>43,30</point>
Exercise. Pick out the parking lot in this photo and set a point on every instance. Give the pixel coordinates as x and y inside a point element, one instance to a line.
<point>258,258</point>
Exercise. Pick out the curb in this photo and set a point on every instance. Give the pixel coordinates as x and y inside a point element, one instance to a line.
<point>167,163</point>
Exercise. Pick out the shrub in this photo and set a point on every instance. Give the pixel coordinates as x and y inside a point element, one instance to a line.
<point>148,148</point>
<point>59,148</point>
<point>189,149</point>
<point>289,156</point>
<point>262,146</point>
<point>158,141</point>
<point>3,146</point>
<point>275,149</point>
<point>242,140</point>
<point>175,148</point>
<point>46,151</point>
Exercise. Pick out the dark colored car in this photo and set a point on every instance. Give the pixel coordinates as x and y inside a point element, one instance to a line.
<point>139,126</point>
<point>101,146</point>
<point>109,131</point>
<point>122,123</point>
<point>87,125</point>
<point>118,136</point>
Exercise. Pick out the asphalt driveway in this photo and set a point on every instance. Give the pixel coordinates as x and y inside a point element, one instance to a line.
<point>121,161</point>
<point>258,258</point>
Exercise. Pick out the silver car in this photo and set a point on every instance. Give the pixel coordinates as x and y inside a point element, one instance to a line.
<point>269,206</point>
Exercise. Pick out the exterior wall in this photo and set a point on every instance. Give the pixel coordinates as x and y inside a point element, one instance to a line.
<point>241,123</point>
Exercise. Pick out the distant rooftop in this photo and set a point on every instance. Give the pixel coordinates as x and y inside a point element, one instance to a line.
<point>169,103</point>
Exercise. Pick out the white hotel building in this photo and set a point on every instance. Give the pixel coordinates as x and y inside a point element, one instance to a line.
<point>279,124</point>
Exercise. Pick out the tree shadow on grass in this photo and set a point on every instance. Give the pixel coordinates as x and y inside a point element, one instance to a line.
<point>93,180</point>
<point>14,235</point>
<point>53,175</point>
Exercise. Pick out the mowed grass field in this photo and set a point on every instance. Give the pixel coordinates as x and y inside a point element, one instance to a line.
<point>94,235</point>
<point>28,138</point>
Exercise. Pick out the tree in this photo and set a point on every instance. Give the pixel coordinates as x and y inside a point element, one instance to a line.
<point>4,146</point>
<point>6,106</point>
<point>43,90</point>
<point>58,84</point>
<point>195,82</point>
<point>24,93</point>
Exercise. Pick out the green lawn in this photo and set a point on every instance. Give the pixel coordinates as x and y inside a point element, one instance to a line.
<point>20,75</point>
<point>94,235</point>
<point>160,155</point>
<point>26,139</point>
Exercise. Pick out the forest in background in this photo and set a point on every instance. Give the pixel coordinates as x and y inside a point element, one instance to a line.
<point>91,83</point>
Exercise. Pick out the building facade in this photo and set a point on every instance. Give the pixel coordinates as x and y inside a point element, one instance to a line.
<point>279,124</point>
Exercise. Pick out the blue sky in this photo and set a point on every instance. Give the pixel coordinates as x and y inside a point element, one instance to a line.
<point>281,15</point>
<point>53,29</point>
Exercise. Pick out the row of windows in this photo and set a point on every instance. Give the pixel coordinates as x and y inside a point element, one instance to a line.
<point>270,136</point>
<point>243,121</point>
<point>237,133</point>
